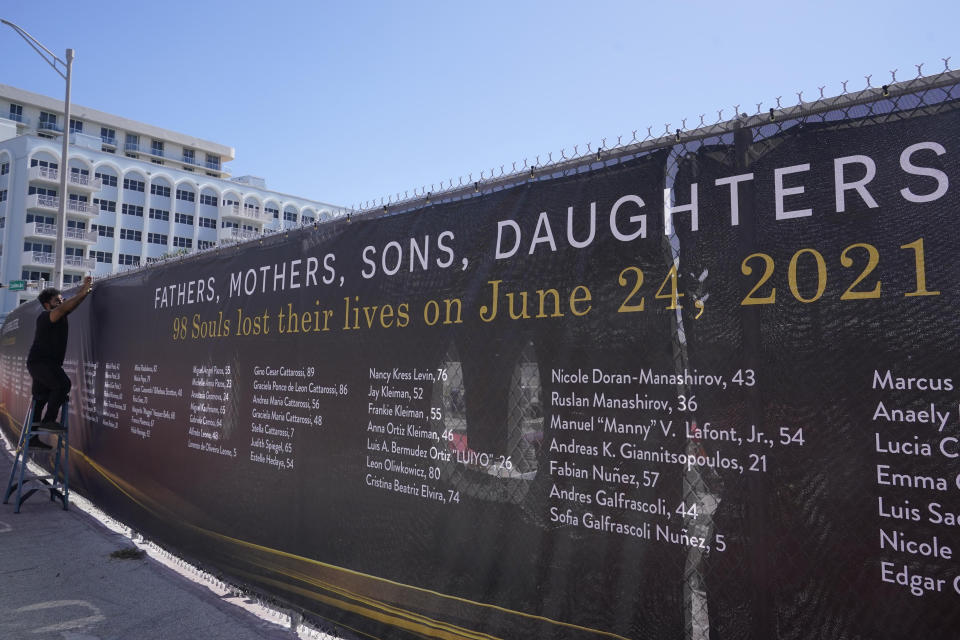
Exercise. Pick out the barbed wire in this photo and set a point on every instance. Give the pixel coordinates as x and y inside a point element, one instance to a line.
<point>624,146</point>
<point>593,156</point>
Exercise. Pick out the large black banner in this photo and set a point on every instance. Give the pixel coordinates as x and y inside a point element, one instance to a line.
<point>705,392</point>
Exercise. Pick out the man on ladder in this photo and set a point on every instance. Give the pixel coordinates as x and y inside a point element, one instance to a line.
<point>51,385</point>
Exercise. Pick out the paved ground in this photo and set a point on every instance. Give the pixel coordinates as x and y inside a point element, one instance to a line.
<point>58,580</point>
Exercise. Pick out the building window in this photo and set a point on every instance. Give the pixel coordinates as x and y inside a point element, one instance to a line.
<point>34,162</point>
<point>108,136</point>
<point>38,247</point>
<point>127,259</point>
<point>160,190</point>
<point>102,230</point>
<point>132,210</point>
<point>80,172</point>
<point>42,191</point>
<point>271,210</point>
<point>76,126</point>
<point>102,256</point>
<point>189,196</point>
<point>189,156</point>
<point>3,222</point>
<point>3,195</point>
<point>107,179</point>
<point>290,216</point>
<point>40,219</point>
<point>16,112</point>
<point>307,220</point>
<point>209,223</point>
<point>4,168</point>
<point>131,234</point>
<point>156,147</point>
<point>133,185</point>
<point>48,121</point>
<point>105,205</point>
<point>179,241</point>
<point>204,244</point>
<point>34,275</point>
<point>76,197</point>
<point>213,162</point>
<point>76,224</point>
<point>226,224</point>
<point>182,218</point>
<point>159,214</point>
<point>156,238</point>
<point>208,199</point>
<point>132,143</point>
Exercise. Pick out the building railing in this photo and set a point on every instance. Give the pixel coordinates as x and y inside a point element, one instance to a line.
<point>197,163</point>
<point>49,126</point>
<point>80,180</point>
<point>108,140</point>
<point>38,257</point>
<point>16,117</point>
<point>79,262</point>
<point>161,153</point>
<point>236,211</point>
<point>44,229</point>
<point>76,179</point>
<point>234,234</point>
<point>44,173</point>
<point>76,206</point>
<point>38,201</point>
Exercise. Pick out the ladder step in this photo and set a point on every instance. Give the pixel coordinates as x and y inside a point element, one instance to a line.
<point>57,483</point>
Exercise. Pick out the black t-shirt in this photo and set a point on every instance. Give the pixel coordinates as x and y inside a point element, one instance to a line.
<point>49,341</point>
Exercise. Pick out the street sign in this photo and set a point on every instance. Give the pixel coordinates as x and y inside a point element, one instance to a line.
<point>18,285</point>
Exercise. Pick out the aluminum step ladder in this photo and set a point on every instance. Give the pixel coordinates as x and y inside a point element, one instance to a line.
<point>58,484</point>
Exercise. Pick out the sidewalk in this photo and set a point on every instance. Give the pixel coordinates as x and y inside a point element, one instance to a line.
<point>59,581</point>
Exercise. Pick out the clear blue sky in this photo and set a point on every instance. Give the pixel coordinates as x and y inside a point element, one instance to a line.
<point>354,100</point>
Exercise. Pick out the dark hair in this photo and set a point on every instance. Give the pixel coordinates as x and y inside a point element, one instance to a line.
<point>47,295</point>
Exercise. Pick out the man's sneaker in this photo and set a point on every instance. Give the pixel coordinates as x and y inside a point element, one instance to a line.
<point>37,443</point>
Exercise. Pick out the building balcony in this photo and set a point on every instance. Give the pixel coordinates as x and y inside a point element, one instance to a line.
<point>51,204</point>
<point>33,287</point>
<point>233,234</point>
<point>236,212</point>
<point>37,259</point>
<point>43,174</point>
<point>19,119</point>
<point>46,259</point>
<point>43,230</point>
<point>36,286</point>
<point>77,180</point>
<point>49,127</point>
<point>79,263</point>
<point>82,208</point>
<point>85,183</point>
<point>108,141</point>
<point>39,202</point>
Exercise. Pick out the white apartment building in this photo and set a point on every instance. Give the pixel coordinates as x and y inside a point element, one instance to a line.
<point>136,193</point>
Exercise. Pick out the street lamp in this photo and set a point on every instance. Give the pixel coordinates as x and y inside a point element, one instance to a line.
<point>51,59</point>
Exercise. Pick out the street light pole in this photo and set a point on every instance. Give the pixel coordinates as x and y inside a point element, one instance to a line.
<point>53,60</point>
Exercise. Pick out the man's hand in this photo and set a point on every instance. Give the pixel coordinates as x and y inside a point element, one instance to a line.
<point>72,303</point>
